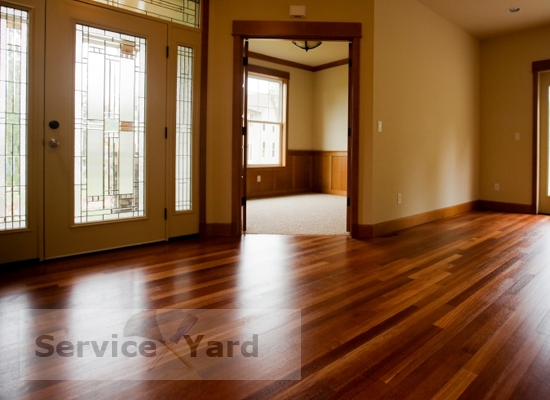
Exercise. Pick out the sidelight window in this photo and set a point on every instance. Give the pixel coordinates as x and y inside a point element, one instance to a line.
<point>14,36</point>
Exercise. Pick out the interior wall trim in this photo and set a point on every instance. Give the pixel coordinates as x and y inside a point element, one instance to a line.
<point>506,207</point>
<point>390,227</point>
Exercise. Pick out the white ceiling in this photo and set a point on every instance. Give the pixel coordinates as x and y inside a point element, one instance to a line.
<point>285,50</point>
<point>489,18</point>
<point>482,18</point>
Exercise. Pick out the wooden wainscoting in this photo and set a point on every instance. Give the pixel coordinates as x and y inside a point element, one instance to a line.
<point>305,172</point>
<point>330,172</point>
<point>293,178</point>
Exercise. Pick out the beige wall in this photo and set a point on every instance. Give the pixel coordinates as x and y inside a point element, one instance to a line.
<point>506,108</point>
<point>220,76</point>
<point>426,93</point>
<point>330,110</point>
<point>318,107</point>
<point>420,75</point>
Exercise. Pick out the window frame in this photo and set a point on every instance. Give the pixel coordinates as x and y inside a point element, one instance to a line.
<point>284,77</point>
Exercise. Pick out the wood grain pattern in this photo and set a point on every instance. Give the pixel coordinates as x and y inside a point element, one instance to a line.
<point>453,309</point>
<point>330,172</point>
<point>293,178</point>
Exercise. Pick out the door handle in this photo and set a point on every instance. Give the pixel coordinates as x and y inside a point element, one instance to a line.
<point>53,143</point>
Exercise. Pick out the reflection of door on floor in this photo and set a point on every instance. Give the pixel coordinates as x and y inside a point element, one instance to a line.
<point>544,168</point>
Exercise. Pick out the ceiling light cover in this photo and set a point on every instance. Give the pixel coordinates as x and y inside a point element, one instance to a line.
<point>307,44</point>
<point>513,10</point>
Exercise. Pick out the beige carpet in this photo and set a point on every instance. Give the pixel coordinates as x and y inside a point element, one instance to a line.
<point>307,214</point>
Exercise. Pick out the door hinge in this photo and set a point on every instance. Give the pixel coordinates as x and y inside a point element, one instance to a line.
<point>245,61</point>
<point>243,201</point>
<point>165,214</point>
<point>166,132</point>
<point>244,130</point>
<point>349,202</point>
<point>349,62</point>
<point>167,51</point>
<point>349,132</point>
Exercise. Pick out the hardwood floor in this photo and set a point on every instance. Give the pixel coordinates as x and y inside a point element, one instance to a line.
<point>454,309</point>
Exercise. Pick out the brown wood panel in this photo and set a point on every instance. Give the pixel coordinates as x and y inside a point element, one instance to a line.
<point>293,178</point>
<point>453,309</point>
<point>330,172</point>
<point>293,30</point>
<point>339,168</point>
<point>282,180</point>
<point>301,171</point>
<point>265,184</point>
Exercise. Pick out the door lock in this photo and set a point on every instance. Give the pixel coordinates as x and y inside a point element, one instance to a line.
<point>53,143</point>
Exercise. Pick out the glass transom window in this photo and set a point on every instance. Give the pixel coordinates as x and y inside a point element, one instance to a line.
<point>184,12</point>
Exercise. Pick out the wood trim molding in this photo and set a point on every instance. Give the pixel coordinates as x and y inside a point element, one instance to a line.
<point>268,71</point>
<point>216,230</point>
<point>292,64</point>
<point>389,227</point>
<point>280,61</point>
<point>329,65</point>
<point>236,155</point>
<point>353,139</point>
<point>506,207</point>
<point>297,30</point>
<point>205,13</point>
<point>537,67</point>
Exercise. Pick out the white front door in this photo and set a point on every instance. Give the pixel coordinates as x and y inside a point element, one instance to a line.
<point>105,169</point>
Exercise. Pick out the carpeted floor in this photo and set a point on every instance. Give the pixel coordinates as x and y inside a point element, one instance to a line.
<point>307,214</point>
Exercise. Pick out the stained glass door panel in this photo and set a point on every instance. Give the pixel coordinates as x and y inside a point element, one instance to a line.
<point>105,173</point>
<point>21,69</point>
<point>109,125</point>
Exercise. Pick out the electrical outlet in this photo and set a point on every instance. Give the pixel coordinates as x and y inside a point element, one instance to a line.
<point>497,187</point>
<point>259,178</point>
<point>398,198</point>
<point>517,135</point>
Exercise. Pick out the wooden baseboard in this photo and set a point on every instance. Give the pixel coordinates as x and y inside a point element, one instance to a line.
<point>277,194</point>
<point>506,207</point>
<point>388,227</point>
<point>217,230</point>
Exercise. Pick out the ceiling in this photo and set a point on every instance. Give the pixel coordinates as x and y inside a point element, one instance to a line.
<point>482,18</point>
<point>489,18</point>
<point>285,50</point>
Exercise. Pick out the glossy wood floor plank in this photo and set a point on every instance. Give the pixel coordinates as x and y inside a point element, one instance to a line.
<point>454,309</point>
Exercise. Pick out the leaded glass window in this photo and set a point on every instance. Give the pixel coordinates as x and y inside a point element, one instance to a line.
<point>13,118</point>
<point>184,138</point>
<point>110,78</point>
<point>184,12</point>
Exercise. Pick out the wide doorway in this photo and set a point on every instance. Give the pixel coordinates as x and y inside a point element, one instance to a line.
<point>297,136</point>
<point>243,31</point>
